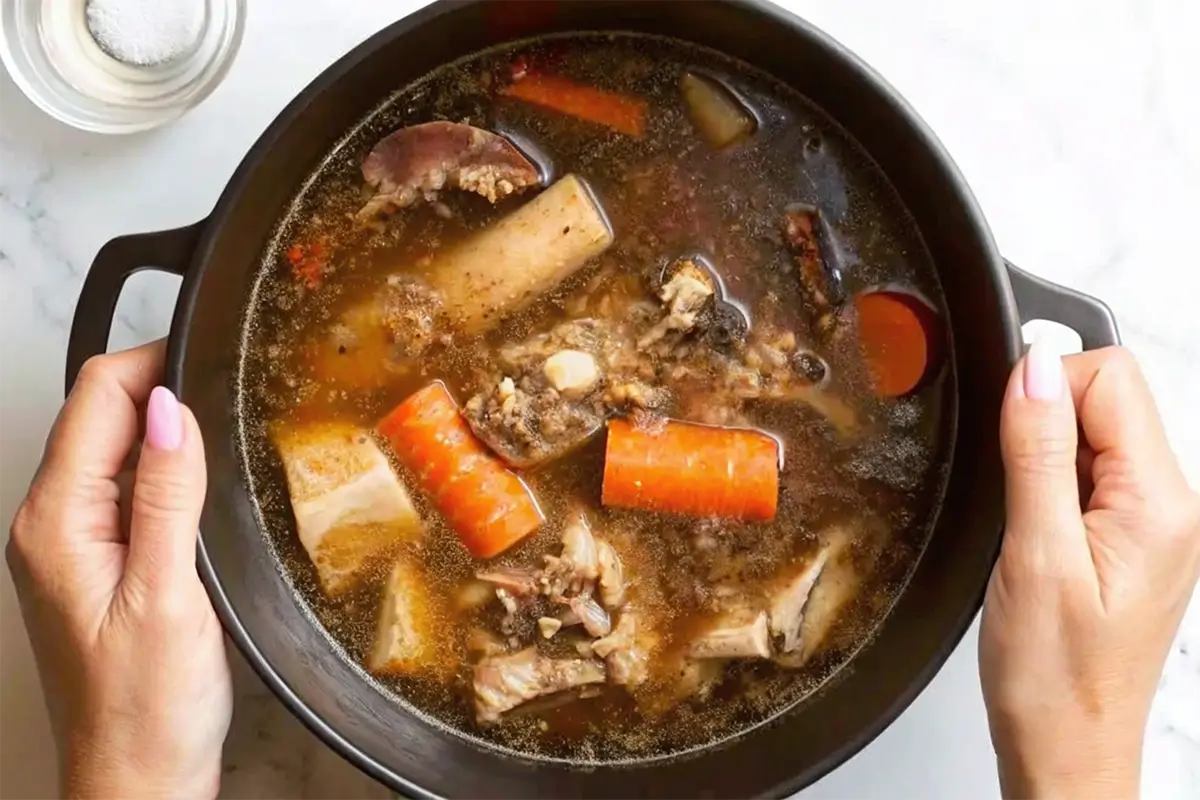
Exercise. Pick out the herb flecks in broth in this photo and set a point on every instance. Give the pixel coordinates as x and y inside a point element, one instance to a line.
<point>670,484</point>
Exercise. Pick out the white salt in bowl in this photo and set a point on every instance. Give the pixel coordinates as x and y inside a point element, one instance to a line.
<point>175,53</point>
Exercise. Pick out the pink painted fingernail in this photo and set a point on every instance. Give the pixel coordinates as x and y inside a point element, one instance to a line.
<point>1043,372</point>
<point>164,423</point>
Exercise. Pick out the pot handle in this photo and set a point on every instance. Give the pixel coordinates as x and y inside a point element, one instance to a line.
<point>167,251</point>
<point>1036,298</point>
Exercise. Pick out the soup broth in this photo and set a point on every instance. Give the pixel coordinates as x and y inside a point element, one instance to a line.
<point>711,178</point>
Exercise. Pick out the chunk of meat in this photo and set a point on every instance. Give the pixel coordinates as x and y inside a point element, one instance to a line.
<point>685,295</point>
<point>544,406</point>
<point>579,547</point>
<point>607,340</point>
<point>819,276</point>
<point>627,650</point>
<point>417,162</point>
<point>591,614</point>
<point>517,581</point>
<point>838,584</point>
<point>577,566</point>
<point>636,395</point>
<point>572,372</point>
<point>351,508</point>
<point>744,640</point>
<point>502,683</point>
<point>788,600</point>
<point>406,638</point>
<point>530,428</point>
<point>611,575</point>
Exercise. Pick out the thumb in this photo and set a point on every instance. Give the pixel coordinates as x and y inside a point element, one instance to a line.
<point>1039,442</point>
<point>168,492</point>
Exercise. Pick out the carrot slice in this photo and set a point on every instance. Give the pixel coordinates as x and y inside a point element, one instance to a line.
<point>692,469</point>
<point>620,112</point>
<point>894,336</point>
<point>488,506</point>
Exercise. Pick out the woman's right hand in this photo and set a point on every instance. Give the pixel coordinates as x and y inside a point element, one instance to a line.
<point>1100,557</point>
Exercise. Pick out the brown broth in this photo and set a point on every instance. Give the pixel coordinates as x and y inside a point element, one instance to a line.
<point>887,484</point>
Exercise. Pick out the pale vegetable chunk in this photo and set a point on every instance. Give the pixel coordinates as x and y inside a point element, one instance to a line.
<point>511,263</point>
<point>405,640</point>
<point>717,115</point>
<point>351,508</point>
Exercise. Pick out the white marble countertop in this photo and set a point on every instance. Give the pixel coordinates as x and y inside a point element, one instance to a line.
<point>1077,124</point>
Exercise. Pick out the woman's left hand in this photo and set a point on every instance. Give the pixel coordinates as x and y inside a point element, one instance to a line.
<point>131,654</point>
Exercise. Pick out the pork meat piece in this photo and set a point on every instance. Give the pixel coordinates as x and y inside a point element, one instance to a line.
<point>502,683</point>
<point>836,585</point>
<point>611,575</point>
<point>577,566</point>
<point>530,428</point>
<point>819,275</point>
<point>351,508</point>
<point>417,162</point>
<point>517,581</point>
<point>592,616</point>
<point>547,401</point>
<point>684,295</point>
<point>788,600</point>
<point>406,639</point>
<point>579,547</point>
<point>734,640</point>
<point>627,650</point>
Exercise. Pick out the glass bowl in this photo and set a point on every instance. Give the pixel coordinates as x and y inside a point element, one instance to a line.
<point>51,55</point>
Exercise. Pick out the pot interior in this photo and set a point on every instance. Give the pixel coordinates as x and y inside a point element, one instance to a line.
<point>285,642</point>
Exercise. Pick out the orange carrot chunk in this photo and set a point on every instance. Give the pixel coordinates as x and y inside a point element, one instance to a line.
<point>487,505</point>
<point>620,112</point>
<point>696,470</point>
<point>894,336</point>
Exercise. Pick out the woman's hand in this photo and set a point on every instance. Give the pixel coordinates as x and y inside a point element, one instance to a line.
<point>1100,557</point>
<point>130,652</point>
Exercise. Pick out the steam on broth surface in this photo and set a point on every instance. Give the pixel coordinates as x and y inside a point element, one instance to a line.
<point>594,396</point>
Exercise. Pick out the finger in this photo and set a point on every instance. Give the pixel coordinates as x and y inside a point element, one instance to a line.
<point>99,422</point>
<point>1117,411</point>
<point>168,493</point>
<point>1039,439</point>
<point>1084,461</point>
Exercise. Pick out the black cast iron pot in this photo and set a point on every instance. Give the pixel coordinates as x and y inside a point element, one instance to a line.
<point>217,257</point>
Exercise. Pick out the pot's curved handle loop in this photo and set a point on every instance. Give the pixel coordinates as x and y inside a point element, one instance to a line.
<point>168,251</point>
<point>1036,298</point>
